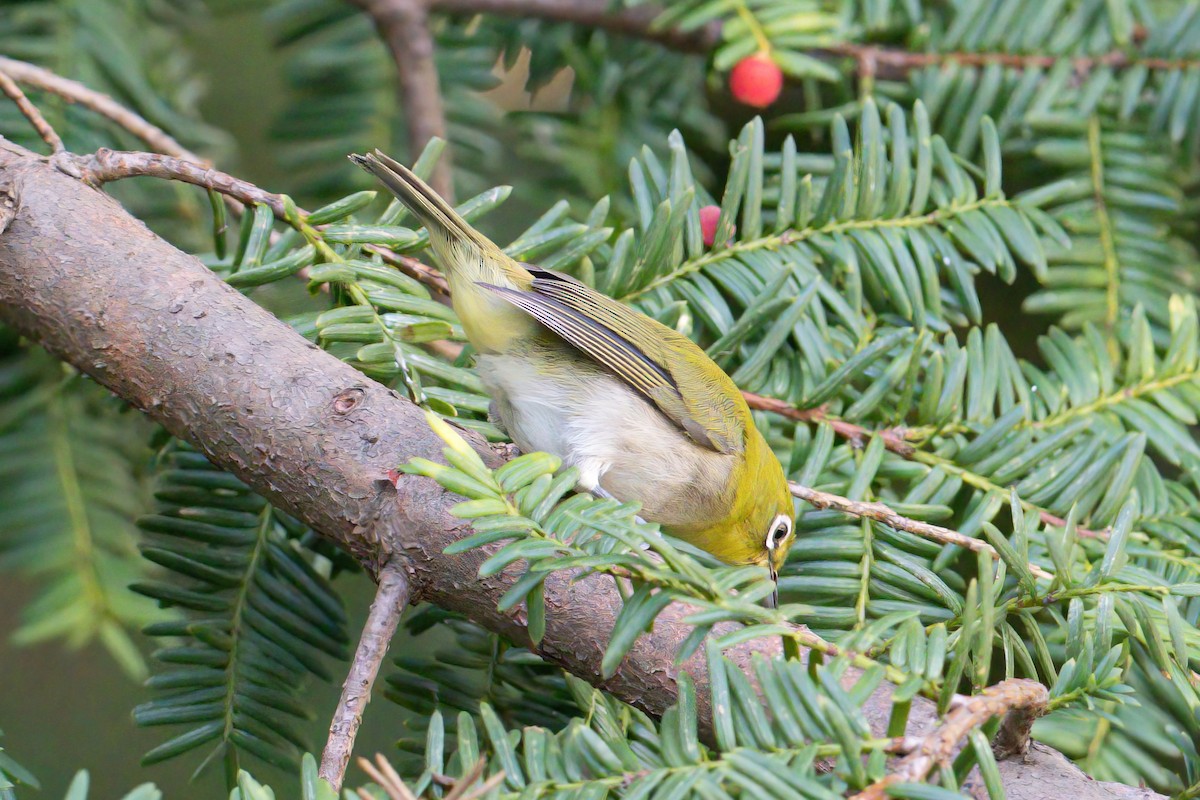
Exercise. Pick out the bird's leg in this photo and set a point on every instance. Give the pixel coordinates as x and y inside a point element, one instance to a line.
<point>506,450</point>
<point>603,494</point>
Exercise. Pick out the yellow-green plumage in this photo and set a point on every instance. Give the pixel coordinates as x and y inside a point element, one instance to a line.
<point>639,408</point>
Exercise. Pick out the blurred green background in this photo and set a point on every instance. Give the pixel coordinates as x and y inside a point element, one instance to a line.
<point>73,708</point>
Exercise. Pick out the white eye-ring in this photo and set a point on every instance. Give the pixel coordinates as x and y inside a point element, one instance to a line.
<point>777,534</point>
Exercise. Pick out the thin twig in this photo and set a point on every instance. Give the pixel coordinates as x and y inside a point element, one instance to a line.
<point>893,438</point>
<point>1019,696</point>
<point>881,513</point>
<point>106,165</point>
<point>404,27</point>
<point>390,600</point>
<point>100,103</point>
<point>31,112</point>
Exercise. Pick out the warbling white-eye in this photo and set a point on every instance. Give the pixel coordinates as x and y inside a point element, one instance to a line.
<point>638,408</point>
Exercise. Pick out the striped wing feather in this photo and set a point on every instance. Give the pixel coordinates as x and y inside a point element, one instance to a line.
<point>665,367</point>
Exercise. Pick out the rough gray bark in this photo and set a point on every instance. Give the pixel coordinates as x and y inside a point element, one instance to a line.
<point>98,289</point>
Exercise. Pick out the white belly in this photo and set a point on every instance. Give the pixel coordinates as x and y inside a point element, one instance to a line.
<point>617,440</point>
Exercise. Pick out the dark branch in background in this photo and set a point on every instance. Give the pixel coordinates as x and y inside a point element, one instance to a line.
<point>404,27</point>
<point>317,438</point>
<point>870,60</point>
<point>637,22</point>
<point>31,113</point>
<point>1017,698</point>
<point>390,601</point>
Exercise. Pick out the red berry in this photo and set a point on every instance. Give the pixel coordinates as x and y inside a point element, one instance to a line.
<point>756,81</point>
<point>709,215</point>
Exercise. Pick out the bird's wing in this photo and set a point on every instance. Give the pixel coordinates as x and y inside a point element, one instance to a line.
<point>664,366</point>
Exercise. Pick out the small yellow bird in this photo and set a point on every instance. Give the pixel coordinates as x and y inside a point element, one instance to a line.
<point>638,408</point>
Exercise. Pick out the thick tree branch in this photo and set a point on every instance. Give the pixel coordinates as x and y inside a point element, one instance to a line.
<point>317,438</point>
<point>404,27</point>
<point>390,601</point>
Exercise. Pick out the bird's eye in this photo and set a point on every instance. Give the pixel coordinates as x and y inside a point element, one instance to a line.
<point>780,528</point>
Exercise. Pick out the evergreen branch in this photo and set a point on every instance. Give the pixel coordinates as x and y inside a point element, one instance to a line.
<point>31,113</point>
<point>1020,700</point>
<point>100,103</point>
<point>788,237</point>
<point>83,543</point>
<point>404,27</point>
<point>881,513</point>
<point>67,499</point>
<point>391,598</point>
<point>984,484</point>
<point>330,443</point>
<point>892,63</point>
<point>1116,398</point>
<point>1112,264</point>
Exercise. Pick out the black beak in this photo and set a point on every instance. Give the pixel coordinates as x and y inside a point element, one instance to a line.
<point>772,600</point>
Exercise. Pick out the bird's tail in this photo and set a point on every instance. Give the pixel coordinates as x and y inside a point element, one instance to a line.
<point>435,213</point>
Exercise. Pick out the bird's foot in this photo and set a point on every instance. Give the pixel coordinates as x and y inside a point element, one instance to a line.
<point>506,450</point>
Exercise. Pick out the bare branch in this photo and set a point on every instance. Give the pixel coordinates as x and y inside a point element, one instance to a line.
<point>390,601</point>
<point>404,27</point>
<point>1026,697</point>
<point>31,113</point>
<point>881,513</point>
<point>105,166</point>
